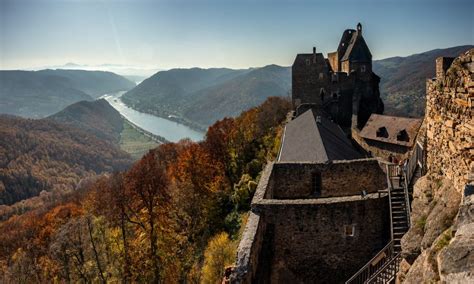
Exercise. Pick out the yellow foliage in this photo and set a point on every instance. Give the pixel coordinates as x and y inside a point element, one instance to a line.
<point>220,252</point>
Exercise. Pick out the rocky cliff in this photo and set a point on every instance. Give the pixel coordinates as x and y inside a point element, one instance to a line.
<point>439,247</point>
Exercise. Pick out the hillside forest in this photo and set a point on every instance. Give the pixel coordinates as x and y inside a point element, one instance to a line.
<point>174,216</point>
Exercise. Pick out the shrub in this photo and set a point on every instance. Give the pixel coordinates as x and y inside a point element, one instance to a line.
<point>220,252</point>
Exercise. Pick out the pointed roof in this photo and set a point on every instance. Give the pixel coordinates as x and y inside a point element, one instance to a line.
<point>357,49</point>
<point>317,139</point>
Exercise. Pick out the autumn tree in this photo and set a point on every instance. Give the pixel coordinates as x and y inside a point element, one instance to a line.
<point>147,188</point>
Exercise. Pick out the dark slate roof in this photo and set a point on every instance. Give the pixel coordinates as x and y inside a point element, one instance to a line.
<point>315,139</point>
<point>301,57</point>
<point>393,125</point>
<point>357,49</point>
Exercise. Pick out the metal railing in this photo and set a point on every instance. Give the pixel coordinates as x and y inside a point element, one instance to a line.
<point>376,264</point>
<point>388,272</point>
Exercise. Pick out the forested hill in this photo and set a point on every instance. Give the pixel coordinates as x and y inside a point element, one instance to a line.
<point>403,79</point>
<point>175,216</point>
<point>199,97</point>
<point>37,94</point>
<point>38,155</point>
<point>97,117</point>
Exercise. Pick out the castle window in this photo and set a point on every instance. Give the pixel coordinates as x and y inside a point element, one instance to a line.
<point>322,93</point>
<point>382,132</point>
<point>308,62</point>
<point>403,136</point>
<point>334,96</point>
<point>334,77</point>
<point>321,76</point>
<point>362,68</point>
<point>349,230</point>
<point>316,184</point>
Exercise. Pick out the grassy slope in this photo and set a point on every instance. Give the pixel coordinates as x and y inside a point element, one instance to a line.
<point>135,143</point>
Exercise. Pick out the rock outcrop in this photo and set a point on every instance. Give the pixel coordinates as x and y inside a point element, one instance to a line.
<point>440,244</point>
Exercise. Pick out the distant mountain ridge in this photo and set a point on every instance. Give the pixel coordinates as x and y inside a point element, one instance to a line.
<point>403,86</point>
<point>36,94</point>
<point>93,83</point>
<point>198,97</point>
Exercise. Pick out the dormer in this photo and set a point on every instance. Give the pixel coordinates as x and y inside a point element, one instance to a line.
<point>402,135</point>
<point>382,132</point>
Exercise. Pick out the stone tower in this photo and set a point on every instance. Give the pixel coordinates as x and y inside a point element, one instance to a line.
<point>342,87</point>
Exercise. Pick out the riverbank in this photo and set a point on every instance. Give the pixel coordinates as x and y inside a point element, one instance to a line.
<point>135,142</point>
<point>160,128</point>
<point>165,115</point>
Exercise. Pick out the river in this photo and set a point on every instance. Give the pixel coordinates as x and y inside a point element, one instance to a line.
<point>168,129</point>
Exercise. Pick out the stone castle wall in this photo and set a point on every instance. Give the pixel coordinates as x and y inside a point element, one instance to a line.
<point>449,121</point>
<point>327,239</point>
<point>438,246</point>
<point>338,178</point>
<point>300,240</point>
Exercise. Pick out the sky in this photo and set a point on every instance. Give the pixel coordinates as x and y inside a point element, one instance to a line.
<point>224,33</point>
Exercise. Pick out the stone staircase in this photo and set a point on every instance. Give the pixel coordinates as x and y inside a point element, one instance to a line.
<point>383,267</point>
<point>400,213</point>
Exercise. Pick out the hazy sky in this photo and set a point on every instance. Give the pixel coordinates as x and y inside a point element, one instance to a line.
<point>237,34</point>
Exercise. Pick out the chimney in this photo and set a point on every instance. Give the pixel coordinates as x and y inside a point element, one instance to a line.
<point>442,65</point>
<point>314,50</point>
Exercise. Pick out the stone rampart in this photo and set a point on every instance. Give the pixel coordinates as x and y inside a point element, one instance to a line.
<point>294,180</point>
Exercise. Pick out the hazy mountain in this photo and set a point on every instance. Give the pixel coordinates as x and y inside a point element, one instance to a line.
<point>403,79</point>
<point>43,154</point>
<point>201,96</point>
<point>38,94</point>
<point>97,117</point>
<point>33,94</point>
<point>121,69</point>
<point>93,83</point>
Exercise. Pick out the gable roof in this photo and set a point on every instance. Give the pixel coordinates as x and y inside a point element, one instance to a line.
<point>317,139</point>
<point>357,49</point>
<point>393,126</point>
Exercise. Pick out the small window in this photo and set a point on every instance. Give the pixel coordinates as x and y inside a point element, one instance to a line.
<point>321,76</point>
<point>322,93</point>
<point>308,62</point>
<point>349,230</point>
<point>362,68</point>
<point>334,96</point>
<point>316,184</point>
<point>382,132</point>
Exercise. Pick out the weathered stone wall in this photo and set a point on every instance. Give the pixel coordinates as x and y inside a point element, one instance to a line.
<point>339,178</point>
<point>310,240</point>
<point>449,122</point>
<point>249,251</point>
<point>309,75</point>
<point>300,240</point>
<point>439,245</point>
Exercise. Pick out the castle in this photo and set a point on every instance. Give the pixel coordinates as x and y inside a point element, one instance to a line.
<point>322,212</point>
<point>342,87</point>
